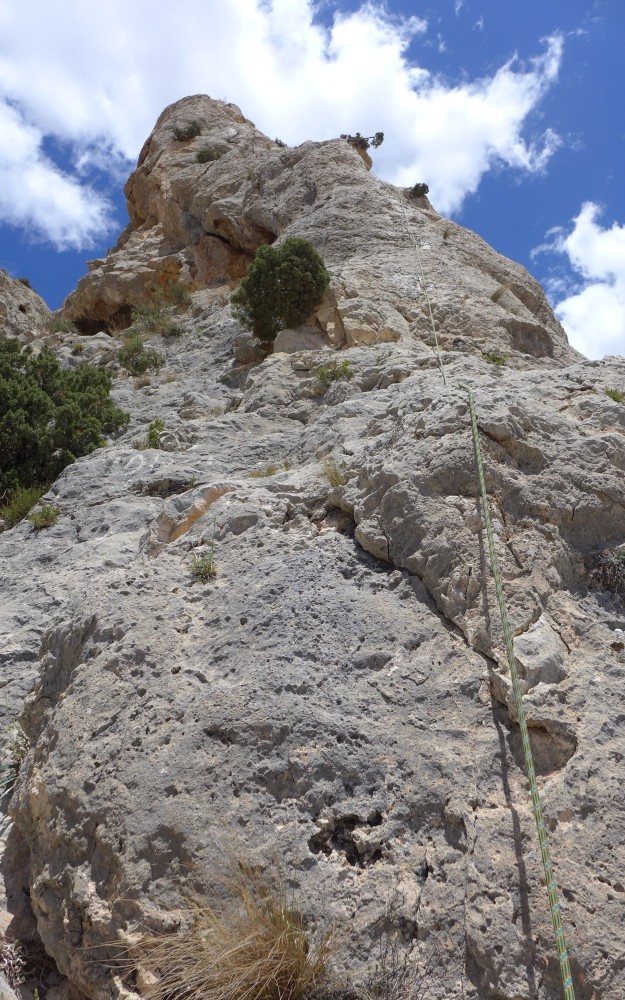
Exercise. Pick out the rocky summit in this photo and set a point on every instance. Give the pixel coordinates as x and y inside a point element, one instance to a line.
<point>264,626</point>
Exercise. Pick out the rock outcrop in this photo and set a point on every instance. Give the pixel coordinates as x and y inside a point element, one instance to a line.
<point>201,223</point>
<point>337,696</point>
<point>23,313</point>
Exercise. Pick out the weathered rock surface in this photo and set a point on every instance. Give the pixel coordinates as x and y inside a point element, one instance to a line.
<point>200,223</point>
<point>23,313</point>
<point>337,696</point>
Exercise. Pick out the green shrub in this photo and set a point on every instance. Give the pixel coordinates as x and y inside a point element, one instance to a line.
<point>616,395</point>
<point>153,440</point>
<point>45,517</point>
<point>154,316</point>
<point>21,501</point>
<point>418,191</point>
<point>78,349</point>
<point>494,358</point>
<point>282,287</point>
<point>333,371</point>
<point>188,131</point>
<point>136,358</point>
<point>208,155</point>
<point>279,143</point>
<point>362,141</point>
<point>49,416</point>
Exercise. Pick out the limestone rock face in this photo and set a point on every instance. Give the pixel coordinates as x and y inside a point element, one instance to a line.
<point>337,696</point>
<point>201,222</point>
<point>23,313</point>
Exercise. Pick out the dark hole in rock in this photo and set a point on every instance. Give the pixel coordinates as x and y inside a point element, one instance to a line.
<point>551,750</point>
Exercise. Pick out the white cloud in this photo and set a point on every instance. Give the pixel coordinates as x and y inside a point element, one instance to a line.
<point>593,312</point>
<point>458,5</point>
<point>96,77</point>
<point>37,196</point>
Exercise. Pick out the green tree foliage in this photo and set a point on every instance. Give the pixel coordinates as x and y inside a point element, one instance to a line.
<point>48,416</point>
<point>364,141</point>
<point>418,191</point>
<point>282,287</point>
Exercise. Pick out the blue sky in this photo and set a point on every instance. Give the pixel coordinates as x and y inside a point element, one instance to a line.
<point>512,113</point>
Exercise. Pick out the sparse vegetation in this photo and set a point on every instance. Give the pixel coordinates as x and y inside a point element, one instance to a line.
<point>13,963</point>
<point>494,358</point>
<point>142,381</point>
<point>269,470</point>
<point>22,500</point>
<point>45,517</point>
<point>138,359</point>
<point>334,473</point>
<point>25,281</point>
<point>188,131</point>
<point>78,348</point>
<point>333,371</point>
<point>208,155</point>
<point>498,293</point>
<point>203,567</point>
<point>364,142</point>
<point>58,324</point>
<point>154,429</point>
<point>616,395</point>
<point>154,316</point>
<point>282,287</point>
<point>418,191</point>
<point>49,416</point>
<point>609,572</point>
<point>173,330</point>
<point>279,143</point>
<point>15,747</point>
<point>257,947</point>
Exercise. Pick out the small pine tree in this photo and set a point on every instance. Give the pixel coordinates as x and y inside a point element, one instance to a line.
<point>364,141</point>
<point>282,287</point>
<point>49,416</point>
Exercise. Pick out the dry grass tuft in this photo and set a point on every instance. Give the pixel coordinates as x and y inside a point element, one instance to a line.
<point>333,472</point>
<point>257,949</point>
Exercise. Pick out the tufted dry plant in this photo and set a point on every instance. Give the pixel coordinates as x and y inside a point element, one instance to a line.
<point>256,948</point>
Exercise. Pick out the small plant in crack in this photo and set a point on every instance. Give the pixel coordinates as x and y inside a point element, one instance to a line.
<point>616,395</point>
<point>494,358</point>
<point>153,439</point>
<point>13,963</point>
<point>203,565</point>
<point>333,472</point>
<point>609,572</point>
<point>332,371</point>
<point>45,517</point>
<point>16,747</point>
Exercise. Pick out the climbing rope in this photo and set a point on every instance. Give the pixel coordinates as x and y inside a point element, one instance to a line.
<point>425,289</point>
<point>552,889</point>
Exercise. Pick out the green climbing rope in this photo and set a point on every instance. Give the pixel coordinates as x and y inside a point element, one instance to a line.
<point>552,890</point>
<point>425,289</point>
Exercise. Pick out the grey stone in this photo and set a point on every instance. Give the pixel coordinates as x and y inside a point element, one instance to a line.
<point>338,695</point>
